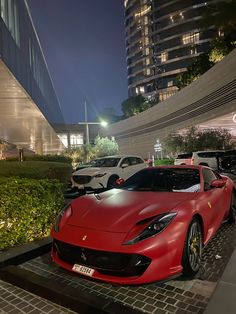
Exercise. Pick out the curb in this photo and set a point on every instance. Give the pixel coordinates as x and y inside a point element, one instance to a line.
<point>22,253</point>
<point>69,297</point>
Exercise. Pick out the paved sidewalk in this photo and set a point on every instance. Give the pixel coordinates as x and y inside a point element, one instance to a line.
<point>14,300</point>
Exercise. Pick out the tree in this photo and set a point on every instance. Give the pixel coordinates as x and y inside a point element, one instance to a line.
<point>200,65</point>
<point>134,105</point>
<point>221,15</point>
<point>105,147</point>
<point>195,139</point>
<point>3,146</point>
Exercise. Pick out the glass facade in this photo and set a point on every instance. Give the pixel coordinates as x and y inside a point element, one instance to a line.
<point>10,16</point>
<point>162,38</point>
<point>21,51</point>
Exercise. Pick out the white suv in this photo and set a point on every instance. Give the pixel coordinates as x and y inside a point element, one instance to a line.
<point>183,159</point>
<point>105,171</point>
<point>207,158</point>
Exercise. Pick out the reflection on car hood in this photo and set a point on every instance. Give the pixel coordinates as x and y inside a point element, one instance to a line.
<point>91,171</point>
<point>118,210</point>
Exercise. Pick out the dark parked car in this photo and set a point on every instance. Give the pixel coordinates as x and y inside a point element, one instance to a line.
<point>228,161</point>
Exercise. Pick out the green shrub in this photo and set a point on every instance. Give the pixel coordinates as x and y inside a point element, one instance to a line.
<point>160,162</point>
<point>27,209</point>
<point>36,170</point>
<point>51,158</point>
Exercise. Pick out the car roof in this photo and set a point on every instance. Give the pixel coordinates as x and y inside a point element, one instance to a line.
<point>119,156</point>
<point>179,166</point>
<point>209,151</point>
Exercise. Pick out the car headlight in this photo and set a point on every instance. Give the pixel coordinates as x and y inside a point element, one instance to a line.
<point>148,228</point>
<point>62,217</point>
<point>99,175</point>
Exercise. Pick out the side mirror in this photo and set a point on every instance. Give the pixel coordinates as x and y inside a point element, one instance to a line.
<point>217,183</point>
<point>119,182</point>
<point>124,166</point>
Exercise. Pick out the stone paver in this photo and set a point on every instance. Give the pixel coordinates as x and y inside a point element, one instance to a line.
<point>14,300</point>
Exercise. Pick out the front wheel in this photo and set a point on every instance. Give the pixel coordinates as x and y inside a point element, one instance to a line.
<point>232,210</point>
<point>112,182</point>
<point>192,249</point>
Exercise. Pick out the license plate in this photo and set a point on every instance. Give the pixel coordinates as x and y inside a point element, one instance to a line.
<point>83,270</point>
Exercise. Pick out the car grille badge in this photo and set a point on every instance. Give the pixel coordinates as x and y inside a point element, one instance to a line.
<point>83,257</point>
<point>84,237</point>
<point>209,204</point>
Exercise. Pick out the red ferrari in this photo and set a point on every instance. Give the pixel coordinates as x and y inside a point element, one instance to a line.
<point>152,227</point>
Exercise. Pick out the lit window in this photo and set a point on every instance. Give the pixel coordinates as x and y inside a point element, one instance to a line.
<point>148,71</point>
<point>141,89</point>
<point>76,140</point>
<point>170,83</point>
<point>147,51</point>
<point>146,31</point>
<point>146,41</point>
<point>220,33</point>
<point>164,56</point>
<point>193,51</point>
<point>172,19</point>
<point>64,140</point>
<point>164,95</point>
<point>190,38</point>
<point>147,61</point>
<point>181,15</point>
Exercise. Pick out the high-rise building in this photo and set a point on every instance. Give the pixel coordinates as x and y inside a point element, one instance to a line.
<point>162,39</point>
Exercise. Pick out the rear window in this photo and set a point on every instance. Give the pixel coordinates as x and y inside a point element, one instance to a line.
<point>184,156</point>
<point>210,154</point>
<point>230,153</point>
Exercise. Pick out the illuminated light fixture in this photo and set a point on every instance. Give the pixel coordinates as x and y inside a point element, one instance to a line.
<point>234,118</point>
<point>143,12</point>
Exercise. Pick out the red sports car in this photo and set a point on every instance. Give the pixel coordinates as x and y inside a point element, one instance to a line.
<point>150,228</point>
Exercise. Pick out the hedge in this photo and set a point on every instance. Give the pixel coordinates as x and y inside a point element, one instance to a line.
<point>36,170</point>
<point>51,158</point>
<point>28,208</point>
<point>159,162</point>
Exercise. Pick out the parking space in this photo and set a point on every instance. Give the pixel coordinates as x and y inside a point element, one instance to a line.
<point>175,296</point>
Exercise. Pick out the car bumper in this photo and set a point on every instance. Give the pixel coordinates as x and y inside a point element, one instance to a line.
<point>151,260</point>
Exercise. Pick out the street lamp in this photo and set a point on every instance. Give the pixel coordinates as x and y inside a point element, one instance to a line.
<point>86,123</point>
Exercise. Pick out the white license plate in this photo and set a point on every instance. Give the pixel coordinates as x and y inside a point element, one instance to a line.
<point>83,270</point>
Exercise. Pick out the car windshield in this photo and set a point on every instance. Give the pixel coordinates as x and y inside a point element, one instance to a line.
<point>164,180</point>
<point>106,162</point>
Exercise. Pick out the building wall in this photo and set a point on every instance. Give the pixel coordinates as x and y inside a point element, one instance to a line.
<point>162,39</point>
<point>209,97</point>
<point>20,50</point>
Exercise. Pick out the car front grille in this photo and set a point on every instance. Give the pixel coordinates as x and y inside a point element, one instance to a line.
<point>82,179</point>
<point>107,263</point>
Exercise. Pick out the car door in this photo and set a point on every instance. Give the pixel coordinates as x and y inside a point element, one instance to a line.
<point>213,202</point>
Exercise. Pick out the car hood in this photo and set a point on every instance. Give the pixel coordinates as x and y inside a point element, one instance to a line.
<point>91,171</point>
<point>118,210</point>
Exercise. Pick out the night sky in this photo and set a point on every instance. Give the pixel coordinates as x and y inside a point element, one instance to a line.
<point>84,46</point>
